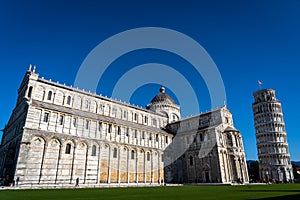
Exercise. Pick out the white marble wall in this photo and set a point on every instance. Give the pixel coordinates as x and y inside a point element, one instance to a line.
<point>46,161</point>
<point>215,152</point>
<point>70,134</point>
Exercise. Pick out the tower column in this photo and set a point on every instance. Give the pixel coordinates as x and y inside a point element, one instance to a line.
<point>270,136</point>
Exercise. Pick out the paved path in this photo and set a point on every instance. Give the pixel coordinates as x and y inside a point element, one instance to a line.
<point>66,186</point>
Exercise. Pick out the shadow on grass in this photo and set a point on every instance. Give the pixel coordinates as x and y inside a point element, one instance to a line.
<point>298,191</point>
<point>287,197</point>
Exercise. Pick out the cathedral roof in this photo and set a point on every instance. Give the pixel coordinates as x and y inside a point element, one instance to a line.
<point>162,97</point>
<point>229,129</point>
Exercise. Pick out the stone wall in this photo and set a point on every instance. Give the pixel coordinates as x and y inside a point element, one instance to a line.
<point>58,134</point>
<point>67,134</point>
<point>214,150</point>
<point>47,159</point>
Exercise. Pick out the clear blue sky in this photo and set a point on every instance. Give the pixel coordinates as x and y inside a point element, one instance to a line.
<point>248,41</point>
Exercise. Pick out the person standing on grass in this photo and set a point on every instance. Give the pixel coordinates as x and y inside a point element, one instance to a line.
<point>17,181</point>
<point>77,182</point>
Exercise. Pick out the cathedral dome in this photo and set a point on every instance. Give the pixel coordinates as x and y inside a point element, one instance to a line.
<point>164,104</point>
<point>162,97</point>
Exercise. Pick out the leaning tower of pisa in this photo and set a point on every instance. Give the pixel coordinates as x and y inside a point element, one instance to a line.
<point>271,138</point>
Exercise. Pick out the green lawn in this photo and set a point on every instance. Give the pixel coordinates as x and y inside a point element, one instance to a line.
<point>282,192</point>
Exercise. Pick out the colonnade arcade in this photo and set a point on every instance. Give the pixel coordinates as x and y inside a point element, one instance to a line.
<point>62,160</point>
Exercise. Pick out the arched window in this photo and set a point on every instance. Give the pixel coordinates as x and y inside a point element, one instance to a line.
<point>61,120</point>
<point>94,150</point>
<point>154,122</point>
<point>87,104</point>
<point>191,160</point>
<point>29,92</point>
<point>119,130</point>
<point>229,140</point>
<point>115,153</point>
<point>109,129</point>
<point>236,141</point>
<point>148,156</point>
<point>100,108</point>
<point>175,118</point>
<point>143,135</point>
<point>127,132</point>
<point>74,122</point>
<point>135,117</point>
<point>227,120</point>
<point>114,112</point>
<point>99,126</point>
<point>135,133</point>
<point>46,117</point>
<point>201,137</point>
<point>87,124</point>
<point>68,148</point>
<point>49,97</point>
<point>125,114</point>
<point>132,155</point>
<point>69,100</point>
